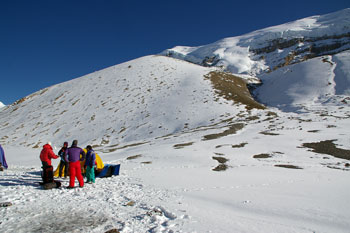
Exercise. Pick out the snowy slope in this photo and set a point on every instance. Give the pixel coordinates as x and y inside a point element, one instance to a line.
<point>315,80</point>
<point>2,105</point>
<point>258,179</point>
<point>197,154</point>
<point>129,103</point>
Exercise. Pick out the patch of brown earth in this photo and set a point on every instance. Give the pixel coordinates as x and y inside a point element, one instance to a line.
<point>288,166</point>
<point>269,133</point>
<point>180,146</point>
<point>232,88</point>
<point>133,157</point>
<point>222,166</point>
<point>232,130</point>
<point>262,156</point>
<point>329,148</point>
<point>220,159</point>
<point>240,145</point>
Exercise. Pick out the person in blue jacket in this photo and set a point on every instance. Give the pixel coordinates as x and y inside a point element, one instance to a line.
<point>90,165</point>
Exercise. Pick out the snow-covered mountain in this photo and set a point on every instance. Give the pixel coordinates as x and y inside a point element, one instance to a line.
<point>274,47</point>
<point>129,103</point>
<point>2,105</point>
<point>320,44</point>
<point>156,96</point>
<point>198,153</point>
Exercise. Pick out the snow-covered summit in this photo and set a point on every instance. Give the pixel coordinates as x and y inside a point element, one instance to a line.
<point>2,105</point>
<point>270,48</point>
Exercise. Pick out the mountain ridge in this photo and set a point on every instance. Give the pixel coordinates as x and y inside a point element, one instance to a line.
<point>130,103</point>
<point>271,48</point>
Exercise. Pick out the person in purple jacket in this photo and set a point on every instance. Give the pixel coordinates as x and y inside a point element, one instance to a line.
<point>2,159</point>
<point>73,157</point>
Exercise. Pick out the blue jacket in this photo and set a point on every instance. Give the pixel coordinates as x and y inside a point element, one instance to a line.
<point>90,158</point>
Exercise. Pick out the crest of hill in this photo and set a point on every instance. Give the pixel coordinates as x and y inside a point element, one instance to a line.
<point>271,48</point>
<point>126,104</point>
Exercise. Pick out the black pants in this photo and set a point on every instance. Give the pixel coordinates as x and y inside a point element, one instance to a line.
<point>63,165</point>
<point>47,173</point>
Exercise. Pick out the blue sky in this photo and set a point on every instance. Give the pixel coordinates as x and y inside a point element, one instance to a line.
<point>43,43</point>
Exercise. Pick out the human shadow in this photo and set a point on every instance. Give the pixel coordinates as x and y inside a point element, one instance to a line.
<point>28,179</point>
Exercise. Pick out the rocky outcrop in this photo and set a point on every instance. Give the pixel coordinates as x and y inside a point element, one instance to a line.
<point>301,49</point>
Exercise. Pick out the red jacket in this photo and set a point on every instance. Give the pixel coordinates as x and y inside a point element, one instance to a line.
<point>47,154</point>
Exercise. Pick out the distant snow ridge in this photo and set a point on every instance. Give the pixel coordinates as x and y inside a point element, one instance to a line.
<point>274,47</point>
<point>2,105</point>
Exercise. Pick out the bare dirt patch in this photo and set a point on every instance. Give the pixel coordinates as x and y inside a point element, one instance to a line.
<point>240,145</point>
<point>220,159</point>
<point>147,162</point>
<point>269,133</point>
<point>112,149</point>
<point>222,163</point>
<point>180,146</point>
<point>133,157</point>
<point>262,156</point>
<point>220,167</point>
<point>328,147</point>
<point>233,88</point>
<point>313,131</point>
<point>232,130</point>
<point>288,166</point>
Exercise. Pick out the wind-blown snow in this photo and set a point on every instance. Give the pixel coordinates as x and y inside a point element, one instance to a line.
<point>191,160</point>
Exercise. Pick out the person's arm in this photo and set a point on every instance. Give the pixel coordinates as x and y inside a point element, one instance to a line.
<point>66,155</point>
<point>93,159</point>
<point>52,155</point>
<point>82,155</point>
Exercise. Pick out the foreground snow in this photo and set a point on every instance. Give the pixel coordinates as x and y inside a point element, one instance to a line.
<point>168,185</point>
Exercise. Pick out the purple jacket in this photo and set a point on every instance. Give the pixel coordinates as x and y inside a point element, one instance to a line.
<point>73,154</point>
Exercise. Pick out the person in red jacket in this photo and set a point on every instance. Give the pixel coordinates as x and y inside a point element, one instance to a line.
<point>46,155</point>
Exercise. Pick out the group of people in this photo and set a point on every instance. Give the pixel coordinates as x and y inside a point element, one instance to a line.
<point>70,162</point>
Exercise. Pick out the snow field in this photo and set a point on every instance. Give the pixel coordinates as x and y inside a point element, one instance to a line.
<point>111,203</point>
